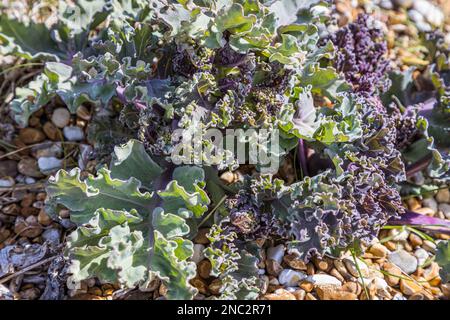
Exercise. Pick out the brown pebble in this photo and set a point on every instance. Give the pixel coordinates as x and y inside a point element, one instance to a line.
<point>334,293</point>
<point>415,240</point>
<point>337,275</point>
<point>200,284</point>
<point>395,271</point>
<point>391,245</point>
<point>309,296</point>
<point>409,287</point>
<point>306,285</point>
<point>204,268</point>
<point>31,135</point>
<point>299,294</point>
<point>310,269</point>
<point>280,294</point>
<point>52,132</point>
<point>294,262</point>
<point>215,287</point>
<point>201,236</point>
<point>273,268</point>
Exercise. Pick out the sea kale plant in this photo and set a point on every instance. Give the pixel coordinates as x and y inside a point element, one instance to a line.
<point>152,68</point>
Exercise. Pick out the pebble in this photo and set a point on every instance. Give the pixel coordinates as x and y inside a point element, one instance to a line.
<point>404,261</point>
<point>333,293</point>
<point>83,113</point>
<point>426,211</point>
<point>352,267</point>
<point>323,279</point>
<point>73,133</point>
<point>429,246</point>
<point>43,218</point>
<point>398,235</point>
<point>379,250</point>
<point>403,3</point>
<point>49,164</point>
<point>430,203</point>
<point>432,13</point>
<point>380,283</point>
<point>198,253</point>
<point>299,294</point>
<point>276,253</point>
<point>291,278</point>
<point>51,131</point>
<point>432,272</point>
<point>204,269</point>
<point>52,236</point>
<point>415,240</point>
<point>28,227</point>
<point>201,236</point>
<point>273,268</point>
<point>280,294</point>
<point>5,293</point>
<point>421,255</point>
<point>409,287</point>
<point>8,168</point>
<point>7,182</point>
<point>394,270</point>
<point>398,296</point>
<point>61,117</point>
<point>294,262</point>
<point>445,208</point>
<point>31,135</point>
<point>29,167</point>
<point>443,195</point>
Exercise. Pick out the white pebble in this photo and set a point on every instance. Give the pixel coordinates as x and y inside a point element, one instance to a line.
<point>198,253</point>
<point>291,277</point>
<point>61,117</point>
<point>276,253</point>
<point>421,255</point>
<point>445,208</point>
<point>48,164</point>
<point>323,279</point>
<point>73,133</point>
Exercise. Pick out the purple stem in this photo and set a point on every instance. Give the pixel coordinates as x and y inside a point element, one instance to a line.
<point>424,222</point>
<point>302,157</point>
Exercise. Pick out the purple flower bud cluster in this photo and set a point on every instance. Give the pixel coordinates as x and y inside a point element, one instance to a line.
<point>361,56</point>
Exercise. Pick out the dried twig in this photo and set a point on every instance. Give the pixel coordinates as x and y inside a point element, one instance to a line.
<point>24,270</point>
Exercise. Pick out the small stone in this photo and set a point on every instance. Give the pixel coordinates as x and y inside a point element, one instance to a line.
<point>204,268</point>
<point>31,135</point>
<point>276,253</point>
<point>445,208</point>
<point>430,203</point>
<point>28,227</point>
<point>340,267</point>
<point>429,246</point>
<point>201,237</point>
<point>409,287</point>
<point>398,296</point>
<point>52,236</point>
<point>404,261</point>
<point>421,255</point>
<point>83,113</point>
<point>403,3</point>
<point>30,294</point>
<point>378,250</point>
<point>8,168</point>
<point>445,287</point>
<point>413,204</point>
<point>394,273</point>
<point>322,264</point>
<point>49,164</point>
<point>73,133</point>
<point>337,275</point>
<point>380,283</point>
<point>64,213</point>
<point>51,131</point>
<point>291,278</point>
<point>307,286</point>
<point>309,296</point>
<point>432,273</point>
<point>294,262</point>
<point>333,293</point>
<point>390,245</point>
<point>198,253</point>
<point>323,279</point>
<point>299,294</point>
<point>443,195</point>
<point>5,293</point>
<point>426,211</point>
<point>61,117</point>
<point>43,218</point>
<point>415,240</point>
<point>398,235</point>
<point>280,294</point>
<point>29,167</point>
<point>215,286</point>
<point>273,268</point>
<point>200,284</point>
<point>7,182</point>
<point>351,287</point>
<point>352,267</point>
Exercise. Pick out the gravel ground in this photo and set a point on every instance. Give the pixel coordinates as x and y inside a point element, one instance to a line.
<point>398,265</point>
